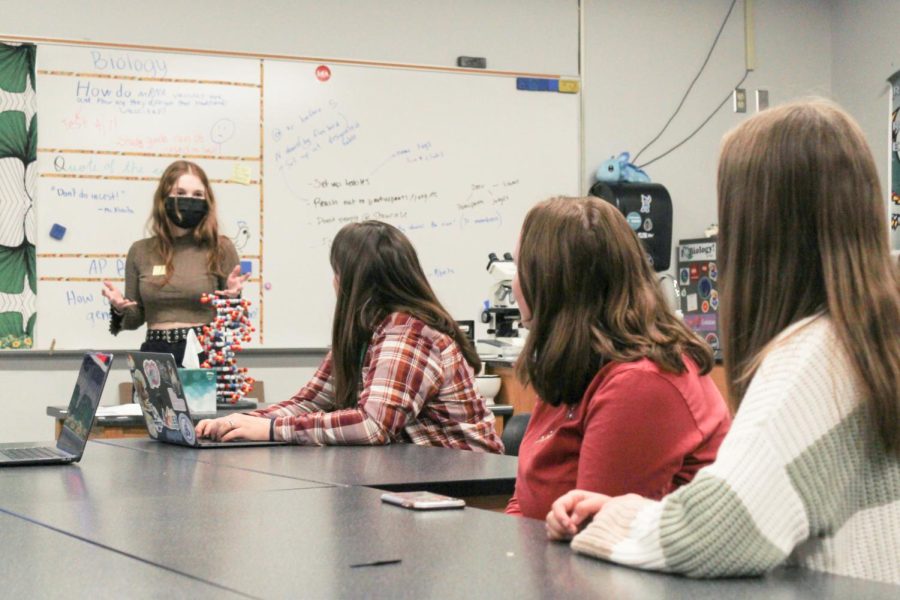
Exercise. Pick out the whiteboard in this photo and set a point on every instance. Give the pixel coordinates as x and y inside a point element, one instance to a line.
<point>110,121</point>
<point>454,159</point>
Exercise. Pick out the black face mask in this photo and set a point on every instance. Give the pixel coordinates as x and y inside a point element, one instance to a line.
<point>192,210</point>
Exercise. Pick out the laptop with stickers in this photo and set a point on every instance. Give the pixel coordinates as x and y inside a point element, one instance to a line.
<point>76,428</point>
<point>159,391</point>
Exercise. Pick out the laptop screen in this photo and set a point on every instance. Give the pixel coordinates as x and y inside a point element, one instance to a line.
<point>83,405</point>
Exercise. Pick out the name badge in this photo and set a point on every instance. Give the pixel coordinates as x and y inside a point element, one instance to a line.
<point>159,270</point>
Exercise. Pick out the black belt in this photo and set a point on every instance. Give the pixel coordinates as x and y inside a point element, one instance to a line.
<point>172,336</point>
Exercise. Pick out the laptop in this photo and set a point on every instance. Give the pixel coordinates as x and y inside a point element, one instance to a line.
<point>158,389</point>
<point>76,428</point>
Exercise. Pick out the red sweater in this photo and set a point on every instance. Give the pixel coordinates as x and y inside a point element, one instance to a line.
<point>637,429</point>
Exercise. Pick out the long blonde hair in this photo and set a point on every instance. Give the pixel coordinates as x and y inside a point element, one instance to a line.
<point>803,231</point>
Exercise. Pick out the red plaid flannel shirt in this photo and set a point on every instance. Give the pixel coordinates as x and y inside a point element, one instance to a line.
<point>416,387</point>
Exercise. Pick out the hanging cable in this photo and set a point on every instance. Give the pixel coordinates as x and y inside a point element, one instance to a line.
<point>705,121</point>
<point>690,87</point>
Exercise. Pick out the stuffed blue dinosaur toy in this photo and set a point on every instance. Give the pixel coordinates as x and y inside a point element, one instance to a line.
<point>618,168</point>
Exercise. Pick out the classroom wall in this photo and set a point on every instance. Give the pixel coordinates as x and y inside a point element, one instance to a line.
<point>639,57</point>
<point>517,35</point>
<point>867,52</point>
<point>535,35</point>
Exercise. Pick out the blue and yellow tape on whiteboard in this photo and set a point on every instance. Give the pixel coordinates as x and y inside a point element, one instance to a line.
<point>540,84</point>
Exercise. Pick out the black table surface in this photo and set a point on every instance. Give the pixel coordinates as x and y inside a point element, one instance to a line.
<point>305,543</point>
<point>38,562</point>
<point>106,471</point>
<point>393,467</point>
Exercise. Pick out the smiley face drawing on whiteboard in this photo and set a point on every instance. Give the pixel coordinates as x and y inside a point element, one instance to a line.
<point>222,131</point>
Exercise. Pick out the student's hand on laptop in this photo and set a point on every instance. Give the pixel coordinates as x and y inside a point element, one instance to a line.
<point>234,427</point>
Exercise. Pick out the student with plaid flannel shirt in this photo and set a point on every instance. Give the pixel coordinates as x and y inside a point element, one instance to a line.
<point>400,369</point>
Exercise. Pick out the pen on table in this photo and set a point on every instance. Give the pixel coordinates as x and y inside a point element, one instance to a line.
<point>377,563</point>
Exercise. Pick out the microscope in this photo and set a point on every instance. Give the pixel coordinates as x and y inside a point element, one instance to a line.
<point>501,313</point>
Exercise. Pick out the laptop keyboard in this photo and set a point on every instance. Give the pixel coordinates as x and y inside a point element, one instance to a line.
<point>24,453</point>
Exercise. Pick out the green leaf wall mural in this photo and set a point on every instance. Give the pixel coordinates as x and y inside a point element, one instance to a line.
<point>18,172</point>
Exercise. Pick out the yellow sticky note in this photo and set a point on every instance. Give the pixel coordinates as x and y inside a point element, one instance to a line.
<point>568,86</point>
<point>159,270</point>
<point>241,174</point>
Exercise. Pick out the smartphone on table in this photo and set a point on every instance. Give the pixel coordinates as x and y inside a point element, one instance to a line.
<point>422,500</point>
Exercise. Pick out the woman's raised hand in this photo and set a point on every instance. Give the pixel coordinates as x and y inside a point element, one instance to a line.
<point>119,302</point>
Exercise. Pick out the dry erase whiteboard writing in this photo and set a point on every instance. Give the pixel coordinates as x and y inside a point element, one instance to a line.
<point>454,160</point>
<point>294,149</point>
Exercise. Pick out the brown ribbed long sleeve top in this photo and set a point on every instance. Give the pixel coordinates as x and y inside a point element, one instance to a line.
<point>179,299</point>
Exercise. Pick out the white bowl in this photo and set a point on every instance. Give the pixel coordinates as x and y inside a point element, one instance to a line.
<point>488,386</point>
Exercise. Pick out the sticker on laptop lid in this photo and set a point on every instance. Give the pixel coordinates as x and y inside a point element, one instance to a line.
<point>170,418</point>
<point>187,429</point>
<point>177,402</point>
<point>152,371</point>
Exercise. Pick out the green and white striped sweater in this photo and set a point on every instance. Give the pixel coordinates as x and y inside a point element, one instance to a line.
<point>801,478</point>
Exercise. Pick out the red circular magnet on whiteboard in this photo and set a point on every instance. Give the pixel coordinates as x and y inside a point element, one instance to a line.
<point>323,73</point>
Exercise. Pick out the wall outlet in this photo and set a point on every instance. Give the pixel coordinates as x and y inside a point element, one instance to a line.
<point>762,100</point>
<point>740,100</point>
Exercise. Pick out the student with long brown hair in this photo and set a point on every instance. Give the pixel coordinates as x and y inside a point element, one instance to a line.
<point>166,274</point>
<point>625,402</point>
<point>399,370</point>
<point>810,471</point>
